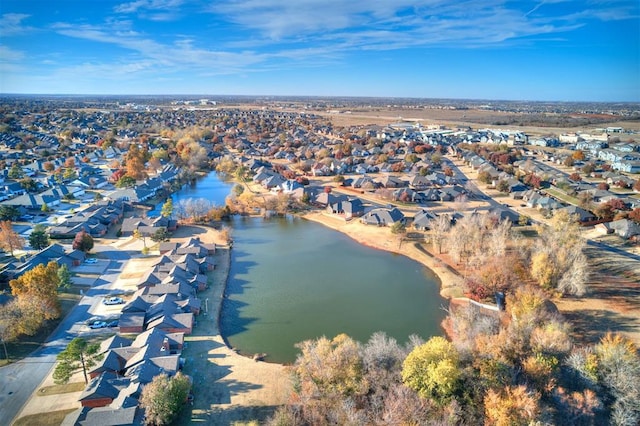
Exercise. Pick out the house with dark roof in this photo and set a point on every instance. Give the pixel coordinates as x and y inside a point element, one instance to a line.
<point>581,214</point>
<point>625,228</point>
<point>101,390</point>
<point>422,220</point>
<point>383,216</point>
<point>53,253</point>
<point>349,208</point>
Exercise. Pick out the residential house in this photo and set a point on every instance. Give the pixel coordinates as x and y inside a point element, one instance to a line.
<point>349,208</point>
<point>383,216</point>
<point>423,219</point>
<point>625,228</point>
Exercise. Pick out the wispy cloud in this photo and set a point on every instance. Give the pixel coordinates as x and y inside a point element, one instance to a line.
<point>405,22</point>
<point>154,10</point>
<point>8,55</point>
<point>181,54</point>
<point>11,24</point>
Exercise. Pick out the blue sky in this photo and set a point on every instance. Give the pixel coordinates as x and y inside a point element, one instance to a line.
<point>561,50</point>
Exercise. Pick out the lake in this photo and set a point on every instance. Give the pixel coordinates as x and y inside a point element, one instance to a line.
<point>292,280</point>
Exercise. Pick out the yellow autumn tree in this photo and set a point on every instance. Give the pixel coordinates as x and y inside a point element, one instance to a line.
<point>40,284</point>
<point>431,369</point>
<point>330,368</point>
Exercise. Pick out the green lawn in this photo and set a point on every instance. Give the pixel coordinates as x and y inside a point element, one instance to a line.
<point>562,196</point>
<point>44,419</point>
<point>58,389</point>
<point>27,344</point>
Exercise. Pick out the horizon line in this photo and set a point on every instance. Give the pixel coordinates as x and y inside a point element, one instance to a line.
<point>5,94</point>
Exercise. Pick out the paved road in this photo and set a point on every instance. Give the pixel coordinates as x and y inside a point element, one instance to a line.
<point>20,380</point>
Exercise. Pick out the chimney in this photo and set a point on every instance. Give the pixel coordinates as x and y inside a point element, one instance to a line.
<point>165,345</point>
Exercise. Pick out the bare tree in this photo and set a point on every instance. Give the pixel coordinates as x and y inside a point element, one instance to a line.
<point>440,227</point>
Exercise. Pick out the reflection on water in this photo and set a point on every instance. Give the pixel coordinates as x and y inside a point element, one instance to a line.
<point>293,280</point>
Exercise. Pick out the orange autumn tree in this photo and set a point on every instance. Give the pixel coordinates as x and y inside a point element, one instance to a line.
<point>10,240</point>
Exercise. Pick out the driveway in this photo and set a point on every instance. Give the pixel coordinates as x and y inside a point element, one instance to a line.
<point>18,381</point>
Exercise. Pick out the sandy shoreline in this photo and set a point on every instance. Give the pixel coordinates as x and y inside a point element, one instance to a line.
<point>381,238</point>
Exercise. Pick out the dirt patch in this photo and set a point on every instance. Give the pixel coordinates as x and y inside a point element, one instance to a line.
<point>613,302</point>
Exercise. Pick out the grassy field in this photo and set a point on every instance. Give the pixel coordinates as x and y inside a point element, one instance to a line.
<point>27,344</point>
<point>54,418</point>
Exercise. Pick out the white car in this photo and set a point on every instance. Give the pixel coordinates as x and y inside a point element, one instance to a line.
<point>98,324</point>
<point>113,301</point>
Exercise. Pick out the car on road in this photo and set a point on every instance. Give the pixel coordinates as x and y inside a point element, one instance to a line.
<point>113,323</point>
<point>113,301</point>
<point>91,260</point>
<point>97,324</point>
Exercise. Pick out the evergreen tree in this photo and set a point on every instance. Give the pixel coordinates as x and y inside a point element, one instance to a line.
<point>39,239</point>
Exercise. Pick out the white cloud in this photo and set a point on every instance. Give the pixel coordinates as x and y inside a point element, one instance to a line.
<point>153,10</point>
<point>182,54</point>
<point>8,55</point>
<point>11,24</point>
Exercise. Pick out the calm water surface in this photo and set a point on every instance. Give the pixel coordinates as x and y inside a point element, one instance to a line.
<point>293,280</point>
<point>209,187</point>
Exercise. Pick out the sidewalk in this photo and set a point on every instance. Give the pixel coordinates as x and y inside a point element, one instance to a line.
<point>49,403</point>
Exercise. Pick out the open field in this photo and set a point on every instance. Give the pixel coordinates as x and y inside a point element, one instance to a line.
<point>537,124</point>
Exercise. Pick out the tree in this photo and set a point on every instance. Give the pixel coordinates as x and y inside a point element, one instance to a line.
<point>64,275</point>
<point>69,174</point>
<point>569,161</point>
<point>125,182</point>
<point>502,186</point>
<point>140,236</point>
<point>618,369</point>
<point>28,184</point>
<point>164,397</point>
<point>636,186</point>
<point>439,230</point>
<point>559,251</point>
<point>161,234</point>
<point>9,320</point>
<point>167,208</point>
<point>512,406</point>
<point>83,241</point>
<point>588,168</point>
<point>432,370</point>
<point>16,172</point>
<point>578,155</point>
<point>485,177</point>
<point>10,240</point>
<point>398,228</point>
<point>9,212</point>
<point>40,284</point>
<point>78,355</point>
<point>39,239</point>
<point>332,368</point>
<point>575,177</point>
